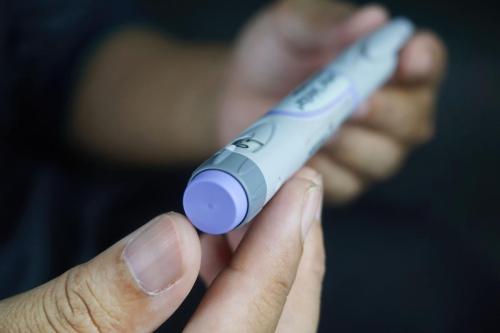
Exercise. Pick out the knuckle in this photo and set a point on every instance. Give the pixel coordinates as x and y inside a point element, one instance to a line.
<point>280,286</point>
<point>13,315</point>
<point>274,296</point>
<point>281,280</point>
<point>268,302</point>
<point>79,308</point>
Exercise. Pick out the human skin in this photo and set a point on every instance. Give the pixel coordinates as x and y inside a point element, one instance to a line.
<point>271,282</point>
<point>146,99</point>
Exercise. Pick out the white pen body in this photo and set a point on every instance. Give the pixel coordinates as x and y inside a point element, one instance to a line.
<point>278,144</point>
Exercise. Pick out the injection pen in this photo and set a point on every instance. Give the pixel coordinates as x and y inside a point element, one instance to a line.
<point>232,186</point>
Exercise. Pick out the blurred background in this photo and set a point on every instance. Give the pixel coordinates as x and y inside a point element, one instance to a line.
<point>418,253</point>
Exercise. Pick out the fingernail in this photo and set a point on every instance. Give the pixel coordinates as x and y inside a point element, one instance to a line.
<point>154,257</point>
<point>371,13</point>
<point>310,208</point>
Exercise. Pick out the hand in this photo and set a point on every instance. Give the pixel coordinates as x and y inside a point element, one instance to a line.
<point>273,278</point>
<point>288,42</point>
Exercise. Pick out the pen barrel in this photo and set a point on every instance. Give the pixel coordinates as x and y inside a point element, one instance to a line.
<point>272,149</point>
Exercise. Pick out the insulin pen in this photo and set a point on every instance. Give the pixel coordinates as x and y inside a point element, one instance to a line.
<point>231,187</point>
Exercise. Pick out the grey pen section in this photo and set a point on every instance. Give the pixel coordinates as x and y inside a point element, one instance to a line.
<point>246,172</point>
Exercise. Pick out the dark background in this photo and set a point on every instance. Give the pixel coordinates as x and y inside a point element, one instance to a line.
<point>420,253</point>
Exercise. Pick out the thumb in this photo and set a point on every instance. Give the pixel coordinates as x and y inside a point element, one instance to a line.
<point>133,286</point>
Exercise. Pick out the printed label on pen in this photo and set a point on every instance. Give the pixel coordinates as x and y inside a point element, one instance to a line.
<point>318,95</point>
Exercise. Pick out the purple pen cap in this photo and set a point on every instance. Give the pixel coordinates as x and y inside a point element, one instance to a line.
<point>215,202</point>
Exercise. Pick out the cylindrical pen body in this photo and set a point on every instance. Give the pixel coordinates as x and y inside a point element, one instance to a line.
<point>272,149</point>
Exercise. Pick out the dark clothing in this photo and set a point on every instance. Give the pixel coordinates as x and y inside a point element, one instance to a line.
<point>42,198</point>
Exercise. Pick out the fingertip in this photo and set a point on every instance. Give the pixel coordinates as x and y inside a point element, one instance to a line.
<point>364,21</point>
<point>423,59</point>
<point>341,185</point>
<point>263,267</point>
<point>371,15</point>
<point>375,12</point>
<point>438,50</point>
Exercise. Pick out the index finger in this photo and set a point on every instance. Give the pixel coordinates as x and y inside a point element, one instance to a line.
<point>249,294</point>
